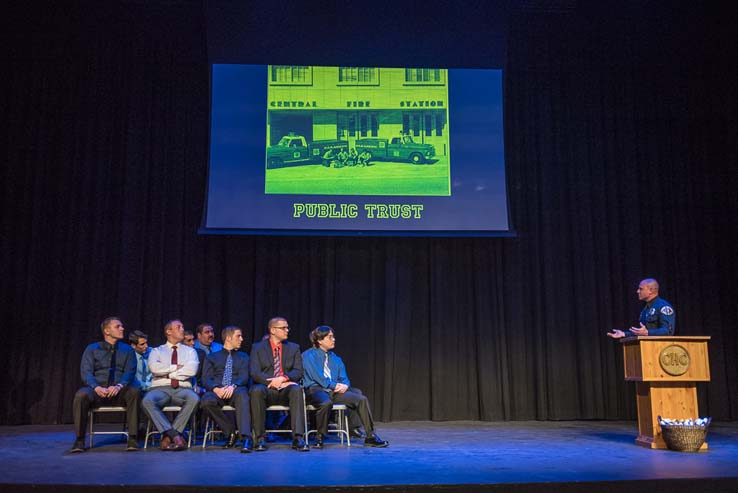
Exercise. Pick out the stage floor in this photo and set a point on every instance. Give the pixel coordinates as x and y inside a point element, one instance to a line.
<point>423,456</point>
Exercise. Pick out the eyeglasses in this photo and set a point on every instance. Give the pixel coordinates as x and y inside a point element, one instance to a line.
<point>286,327</point>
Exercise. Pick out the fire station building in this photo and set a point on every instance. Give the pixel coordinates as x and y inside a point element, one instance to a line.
<point>349,103</point>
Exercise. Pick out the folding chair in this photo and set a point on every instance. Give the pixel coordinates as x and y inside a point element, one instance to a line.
<point>210,427</point>
<point>341,427</point>
<point>104,409</point>
<point>154,433</point>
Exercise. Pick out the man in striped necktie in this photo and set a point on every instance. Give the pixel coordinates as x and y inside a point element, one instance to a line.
<point>326,382</point>
<point>225,375</point>
<point>276,369</point>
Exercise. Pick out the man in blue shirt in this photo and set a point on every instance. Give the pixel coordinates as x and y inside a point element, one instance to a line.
<point>140,344</point>
<point>326,382</point>
<point>189,340</point>
<point>658,317</point>
<point>226,377</point>
<point>205,339</point>
<point>108,370</point>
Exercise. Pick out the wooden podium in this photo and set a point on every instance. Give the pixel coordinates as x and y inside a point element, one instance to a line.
<point>666,370</point>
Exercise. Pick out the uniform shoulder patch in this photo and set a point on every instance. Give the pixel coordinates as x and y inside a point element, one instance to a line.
<point>667,310</point>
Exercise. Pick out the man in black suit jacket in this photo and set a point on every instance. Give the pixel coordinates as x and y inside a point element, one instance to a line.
<point>276,371</point>
<point>226,377</point>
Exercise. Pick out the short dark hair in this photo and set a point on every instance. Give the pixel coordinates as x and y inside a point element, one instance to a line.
<point>106,322</point>
<point>188,332</point>
<point>319,333</point>
<point>228,331</point>
<point>135,336</point>
<point>201,327</point>
<point>168,324</point>
<point>274,320</point>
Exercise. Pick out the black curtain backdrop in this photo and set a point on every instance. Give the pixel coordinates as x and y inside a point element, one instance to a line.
<point>621,140</point>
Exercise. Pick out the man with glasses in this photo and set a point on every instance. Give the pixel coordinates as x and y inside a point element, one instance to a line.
<point>326,383</point>
<point>276,370</point>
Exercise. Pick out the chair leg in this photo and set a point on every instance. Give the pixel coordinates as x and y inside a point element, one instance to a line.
<point>206,432</point>
<point>148,434</point>
<point>90,418</point>
<point>193,430</point>
<point>346,429</point>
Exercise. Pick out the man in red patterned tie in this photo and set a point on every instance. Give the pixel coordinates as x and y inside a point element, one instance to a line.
<point>172,365</point>
<point>276,369</point>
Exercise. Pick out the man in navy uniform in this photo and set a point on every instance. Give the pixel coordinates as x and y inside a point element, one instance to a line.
<point>657,317</point>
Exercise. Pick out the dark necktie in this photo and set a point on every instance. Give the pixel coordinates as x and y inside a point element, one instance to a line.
<point>277,362</point>
<point>175,382</point>
<point>228,372</point>
<point>111,371</point>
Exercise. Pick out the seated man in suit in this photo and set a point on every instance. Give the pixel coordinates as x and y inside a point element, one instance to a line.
<point>226,377</point>
<point>172,365</point>
<point>276,370</point>
<point>107,369</point>
<point>326,382</point>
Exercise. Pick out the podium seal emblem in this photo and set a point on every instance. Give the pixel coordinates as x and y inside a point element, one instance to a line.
<point>674,360</point>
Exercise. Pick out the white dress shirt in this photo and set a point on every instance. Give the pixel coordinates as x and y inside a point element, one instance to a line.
<point>163,371</point>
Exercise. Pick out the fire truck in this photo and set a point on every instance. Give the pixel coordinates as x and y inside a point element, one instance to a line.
<point>294,150</point>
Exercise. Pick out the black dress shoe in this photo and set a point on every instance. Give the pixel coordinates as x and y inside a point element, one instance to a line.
<point>248,445</point>
<point>231,442</point>
<point>373,440</point>
<point>132,444</point>
<point>318,441</point>
<point>260,445</point>
<point>300,445</point>
<point>357,433</point>
<point>79,446</point>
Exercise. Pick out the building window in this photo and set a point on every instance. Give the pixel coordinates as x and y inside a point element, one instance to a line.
<point>440,120</point>
<point>291,74</point>
<point>358,124</point>
<point>424,76</point>
<point>358,75</point>
<point>411,124</point>
<point>428,124</point>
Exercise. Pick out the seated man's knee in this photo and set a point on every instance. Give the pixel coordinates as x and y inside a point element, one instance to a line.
<point>133,393</point>
<point>208,401</point>
<point>258,391</point>
<point>294,391</point>
<point>85,393</point>
<point>241,394</point>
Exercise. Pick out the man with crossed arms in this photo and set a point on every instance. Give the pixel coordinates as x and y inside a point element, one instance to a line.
<point>172,365</point>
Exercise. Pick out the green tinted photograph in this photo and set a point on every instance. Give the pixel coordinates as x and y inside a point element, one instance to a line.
<point>357,131</point>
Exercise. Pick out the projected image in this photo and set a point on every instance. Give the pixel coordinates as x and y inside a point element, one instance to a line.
<point>357,131</point>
